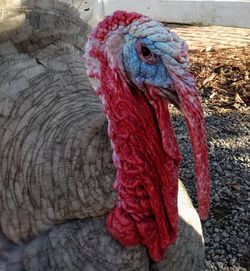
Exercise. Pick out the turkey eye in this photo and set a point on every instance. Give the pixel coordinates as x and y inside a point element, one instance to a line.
<point>145,54</point>
<point>145,51</point>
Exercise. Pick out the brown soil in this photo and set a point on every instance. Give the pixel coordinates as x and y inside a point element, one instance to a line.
<point>223,77</point>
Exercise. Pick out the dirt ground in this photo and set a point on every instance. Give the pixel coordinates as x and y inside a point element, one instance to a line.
<point>220,61</point>
<point>223,77</point>
<point>222,71</point>
<point>223,80</point>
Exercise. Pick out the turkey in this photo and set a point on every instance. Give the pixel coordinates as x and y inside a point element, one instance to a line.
<point>89,179</point>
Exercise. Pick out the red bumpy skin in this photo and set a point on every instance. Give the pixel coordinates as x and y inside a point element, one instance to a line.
<point>146,153</point>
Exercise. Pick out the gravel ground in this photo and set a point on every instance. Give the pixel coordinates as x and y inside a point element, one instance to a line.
<point>227,230</point>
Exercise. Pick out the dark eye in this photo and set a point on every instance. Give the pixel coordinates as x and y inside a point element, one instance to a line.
<point>145,51</point>
<point>145,54</point>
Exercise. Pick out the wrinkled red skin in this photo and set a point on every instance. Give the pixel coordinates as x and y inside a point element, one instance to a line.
<point>146,153</point>
<point>192,110</point>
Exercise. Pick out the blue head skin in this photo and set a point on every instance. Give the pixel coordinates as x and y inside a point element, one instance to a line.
<point>150,56</point>
<point>143,63</point>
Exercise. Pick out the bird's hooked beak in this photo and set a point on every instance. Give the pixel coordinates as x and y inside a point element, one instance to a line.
<point>171,95</point>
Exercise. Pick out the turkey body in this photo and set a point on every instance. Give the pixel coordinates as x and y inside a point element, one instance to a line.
<point>56,169</point>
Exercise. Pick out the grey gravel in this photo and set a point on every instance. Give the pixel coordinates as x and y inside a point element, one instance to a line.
<point>227,230</point>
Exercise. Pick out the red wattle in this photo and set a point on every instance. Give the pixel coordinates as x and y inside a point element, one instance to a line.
<point>146,162</point>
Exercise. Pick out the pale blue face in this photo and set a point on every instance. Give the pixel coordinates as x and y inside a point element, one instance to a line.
<point>143,63</point>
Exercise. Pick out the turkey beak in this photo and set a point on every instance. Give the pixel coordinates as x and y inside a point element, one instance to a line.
<point>172,96</point>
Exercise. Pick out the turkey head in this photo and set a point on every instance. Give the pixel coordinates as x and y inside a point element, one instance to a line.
<point>137,66</point>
